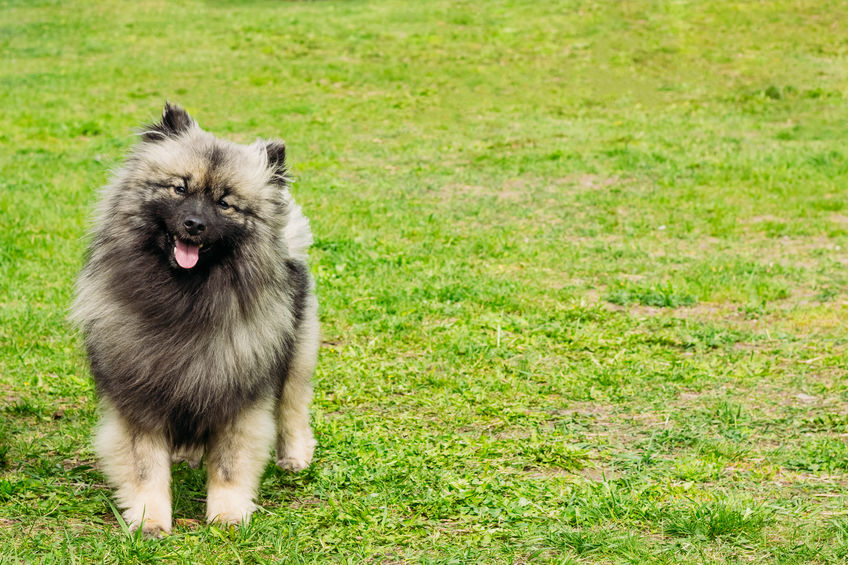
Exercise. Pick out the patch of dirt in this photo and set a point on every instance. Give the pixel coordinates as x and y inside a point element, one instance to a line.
<point>75,462</point>
<point>790,478</point>
<point>529,187</point>
<point>783,316</point>
<point>614,431</point>
<point>599,474</point>
<point>550,473</point>
<point>796,251</point>
<point>588,181</point>
<point>335,344</point>
<point>706,311</point>
<point>453,526</point>
<point>595,410</point>
<point>637,310</point>
<point>514,433</point>
<point>760,219</point>
<point>773,399</point>
<point>8,396</point>
<point>308,502</point>
<point>746,346</point>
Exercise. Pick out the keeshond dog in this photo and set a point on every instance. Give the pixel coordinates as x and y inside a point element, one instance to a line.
<point>200,320</point>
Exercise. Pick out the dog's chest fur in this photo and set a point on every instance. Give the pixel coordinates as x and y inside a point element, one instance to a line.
<point>190,365</point>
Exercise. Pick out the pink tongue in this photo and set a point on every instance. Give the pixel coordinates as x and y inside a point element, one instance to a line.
<point>186,254</point>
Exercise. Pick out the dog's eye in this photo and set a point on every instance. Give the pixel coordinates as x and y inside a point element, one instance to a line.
<point>223,204</point>
<point>179,189</point>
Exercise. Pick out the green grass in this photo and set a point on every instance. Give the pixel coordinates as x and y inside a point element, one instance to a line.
<point>582,268</point>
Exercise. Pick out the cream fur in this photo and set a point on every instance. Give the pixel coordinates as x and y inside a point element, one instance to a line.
<point>236,458</point>
<point>295,442</point>
<point>139,466</point>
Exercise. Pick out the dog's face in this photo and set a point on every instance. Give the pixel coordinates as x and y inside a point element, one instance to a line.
<point>198,199</point>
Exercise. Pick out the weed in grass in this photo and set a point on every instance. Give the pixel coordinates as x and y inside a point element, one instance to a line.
<point>553,453</point>
<point>728,414</point>
<point>733,519</point>
<point>827,454</point>
<point>826,422</point>
<point>660,296</point>
<point>722,449</point>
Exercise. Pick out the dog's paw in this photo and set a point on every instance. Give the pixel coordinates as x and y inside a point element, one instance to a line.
<point>151,528</point>
<point>157,531</point>
<point>154,523</point>
<point>229,509</point>
<point>297,457</point>
<point>234,519</point>
<point>293,464</point>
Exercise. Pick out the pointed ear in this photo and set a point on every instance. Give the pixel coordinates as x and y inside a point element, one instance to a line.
<point>276,151</point>
<point>174,122</point>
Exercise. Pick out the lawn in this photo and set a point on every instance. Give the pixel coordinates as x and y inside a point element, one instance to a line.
<point>582,272</point>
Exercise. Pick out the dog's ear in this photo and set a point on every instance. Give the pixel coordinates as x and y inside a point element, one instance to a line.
<point>276,151</point>
<point>174,122</point>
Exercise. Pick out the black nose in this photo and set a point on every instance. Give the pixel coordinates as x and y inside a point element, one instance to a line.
<point>194,225</point>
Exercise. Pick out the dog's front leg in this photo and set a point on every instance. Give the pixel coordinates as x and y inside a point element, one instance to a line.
<point>236,458</point>
<point>295,441</point>
<point>138,464</point>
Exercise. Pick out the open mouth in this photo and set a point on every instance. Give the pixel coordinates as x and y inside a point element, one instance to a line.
<point>186,253</point>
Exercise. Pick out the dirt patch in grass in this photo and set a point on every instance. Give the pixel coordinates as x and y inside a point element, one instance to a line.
<point>788,478</point>
<point>760,219</point>
<point>707,311</point>
<point>599,474</point>
<point>805,252</point>
<point>76,462</point>
<point>774,401</point>
<point>594,412</point>
<point>188,523</point>
<point>514,433</point>
<point>8,395</point>
<point>521,187</point>
<point>550,473</point>
<point>593,182</point>
<point>803,315</point>
<point>616,432</point>
<point>308,502</point>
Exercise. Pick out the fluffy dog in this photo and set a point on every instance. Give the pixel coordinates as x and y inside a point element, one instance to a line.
<point>200,320</point>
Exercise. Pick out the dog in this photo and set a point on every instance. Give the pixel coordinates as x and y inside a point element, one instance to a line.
<point>200,320</point>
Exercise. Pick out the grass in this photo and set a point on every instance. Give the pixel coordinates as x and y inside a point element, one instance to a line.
<point>581,268</point>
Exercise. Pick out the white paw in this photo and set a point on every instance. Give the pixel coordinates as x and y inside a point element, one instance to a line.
<point>298,456</point>
<point>229,508</point>
<point>293,464</point>
<point>150,530</point>
<point>151,526</point>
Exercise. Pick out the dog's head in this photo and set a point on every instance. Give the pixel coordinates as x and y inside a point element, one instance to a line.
<point>196,198</point>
